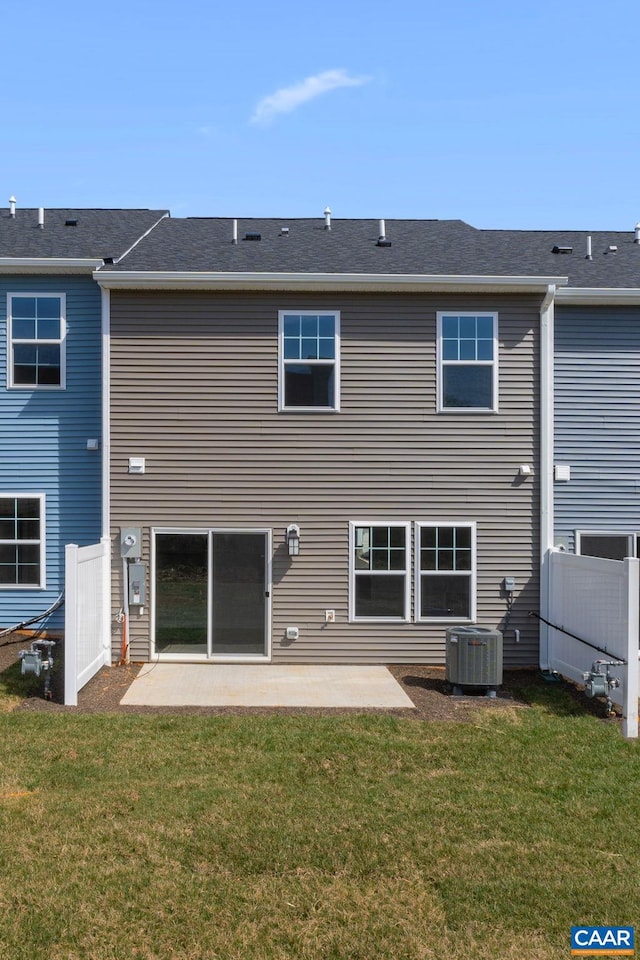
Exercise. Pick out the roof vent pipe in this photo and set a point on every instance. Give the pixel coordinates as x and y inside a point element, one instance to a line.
<point>41,217</point>
<point>381,230</point>
<point>234,231</point>
<point>636,235</point>
<point>327,218</point>
<point>12,207</point>
<point>588,256</point>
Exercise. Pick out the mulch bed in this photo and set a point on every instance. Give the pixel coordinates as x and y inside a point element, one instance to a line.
<point>424,685</point>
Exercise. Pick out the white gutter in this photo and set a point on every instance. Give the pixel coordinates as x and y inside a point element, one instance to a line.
<point>194,280</point>
<point>583,296</point>
<point>49,264</point>
<point>546,461</point>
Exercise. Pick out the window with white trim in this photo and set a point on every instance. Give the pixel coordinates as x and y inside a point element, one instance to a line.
<point>379,570</point>
<point>36,332</point>
<point>309,360</point>
<point>467,354</point>
<point>21,540</point>
<point>607,544</point>
<point>445,571</point>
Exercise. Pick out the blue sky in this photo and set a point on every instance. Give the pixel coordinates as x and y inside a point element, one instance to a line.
<point>501,113</point>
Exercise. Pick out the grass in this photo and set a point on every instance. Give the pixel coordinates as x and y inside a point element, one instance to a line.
<point>347,838</point>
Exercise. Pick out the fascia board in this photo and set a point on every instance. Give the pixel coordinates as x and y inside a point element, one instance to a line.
<point>49,264</point>
<point>586,296</point>
<point>183,280</point>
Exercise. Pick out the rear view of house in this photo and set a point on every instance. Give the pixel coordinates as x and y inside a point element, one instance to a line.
<point>325,440</point>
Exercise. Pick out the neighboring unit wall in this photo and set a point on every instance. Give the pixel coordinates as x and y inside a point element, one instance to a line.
<point>597,420</point>
<point>43,440</point>
<point>194,391</point>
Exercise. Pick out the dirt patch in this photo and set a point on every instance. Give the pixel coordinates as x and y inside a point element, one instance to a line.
<point>424,685</point>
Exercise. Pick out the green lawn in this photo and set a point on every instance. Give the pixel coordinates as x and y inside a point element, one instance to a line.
<point>347,837</point>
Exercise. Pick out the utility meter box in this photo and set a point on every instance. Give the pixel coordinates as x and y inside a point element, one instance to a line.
<point>474,657</point>
<point>131,543</point>
<point>137,576</point>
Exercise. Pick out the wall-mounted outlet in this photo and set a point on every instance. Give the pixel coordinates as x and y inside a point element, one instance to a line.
<point>329,616</point>
<point>292,633</point>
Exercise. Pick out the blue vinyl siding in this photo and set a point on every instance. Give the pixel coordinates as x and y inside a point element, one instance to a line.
<point>597,419</point>
<point>43,439</point>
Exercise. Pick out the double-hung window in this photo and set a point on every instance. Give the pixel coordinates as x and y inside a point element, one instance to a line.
<point>21,540</point>
<point>468,362</point>
<point>445,571</point>
<point>309,360</point>
<point>380,563</point>
<point>36,331</point>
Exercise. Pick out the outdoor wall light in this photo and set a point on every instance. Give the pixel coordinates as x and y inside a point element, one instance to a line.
<point>293,539</point>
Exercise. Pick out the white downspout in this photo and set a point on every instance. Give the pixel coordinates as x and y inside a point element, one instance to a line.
<point>106,410</point>
<point>106,461</point>
<point>546,461</point>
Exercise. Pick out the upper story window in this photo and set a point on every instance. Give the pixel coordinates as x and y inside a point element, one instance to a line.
<point>445,571</point>
<point>468,362</point>
<point>309,360</point>
<point>21,540</point>
<point>380,556</point>
<point>36,331</point>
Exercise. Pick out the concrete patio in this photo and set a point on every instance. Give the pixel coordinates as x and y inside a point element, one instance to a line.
<point>265,685</point>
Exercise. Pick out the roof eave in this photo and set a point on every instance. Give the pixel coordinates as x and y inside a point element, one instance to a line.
<point>191,280</point>
<point>49,264</point>
<point>586,296</point>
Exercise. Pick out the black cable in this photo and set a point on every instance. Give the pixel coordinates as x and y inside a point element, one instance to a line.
<point>27,623</point>
<point>532,613</point>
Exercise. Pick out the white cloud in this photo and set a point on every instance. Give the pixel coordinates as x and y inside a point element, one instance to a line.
<point>288,98</point>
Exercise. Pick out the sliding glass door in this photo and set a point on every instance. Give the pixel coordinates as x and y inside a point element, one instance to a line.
<point>212,594</point>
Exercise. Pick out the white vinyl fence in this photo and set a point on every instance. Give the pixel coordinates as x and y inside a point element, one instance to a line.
<point>599,602</point>
<point>87,640</point>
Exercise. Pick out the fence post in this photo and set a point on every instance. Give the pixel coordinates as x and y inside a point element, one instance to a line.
<point>630,707</point>
<point>106,599</point>
<point>71,638</point>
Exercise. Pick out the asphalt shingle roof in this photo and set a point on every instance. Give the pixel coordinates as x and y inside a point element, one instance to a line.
<point>96,235</point>
<point>425,247</point>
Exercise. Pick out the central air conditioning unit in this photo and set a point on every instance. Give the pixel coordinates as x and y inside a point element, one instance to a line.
<point>474,658</point>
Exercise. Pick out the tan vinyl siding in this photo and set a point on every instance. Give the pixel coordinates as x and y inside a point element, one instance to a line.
<point>194,391</point>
